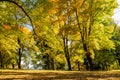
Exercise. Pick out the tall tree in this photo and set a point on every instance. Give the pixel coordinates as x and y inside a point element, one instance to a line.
<point>86,16</point>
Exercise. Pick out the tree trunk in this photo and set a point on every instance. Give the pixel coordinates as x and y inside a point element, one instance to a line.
<point>103,66</point>
<point>78,63</point>
<point>119,61</point>
<point>1,60</point>
<point>19,60</point>
<point>47,62</point>
<point>19,55</point>
<point>89,61</point>
<point>53,67</point>
<point>88,56</point>
<point>2,66</point>
<point>13,66</point>
<point>66,51</point>
<point>69,63</point>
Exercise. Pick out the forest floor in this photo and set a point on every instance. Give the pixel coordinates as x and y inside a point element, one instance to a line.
<point>58,75</point>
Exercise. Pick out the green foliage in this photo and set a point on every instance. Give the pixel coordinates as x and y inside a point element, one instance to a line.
<point>63,29</point>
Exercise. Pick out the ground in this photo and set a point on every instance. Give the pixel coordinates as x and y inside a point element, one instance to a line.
<point>58,75</point>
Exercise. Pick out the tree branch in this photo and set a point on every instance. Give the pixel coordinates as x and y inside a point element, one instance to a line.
<point>11,1</point>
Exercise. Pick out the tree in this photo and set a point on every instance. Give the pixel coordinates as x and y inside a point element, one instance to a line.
<point>115,38</point>
<point>63,33</point>
<point>8,47</point>
<point>87,17</point>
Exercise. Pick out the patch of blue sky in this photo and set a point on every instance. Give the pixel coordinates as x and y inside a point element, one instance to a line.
<point>29,26</point>
<point>116,15</point>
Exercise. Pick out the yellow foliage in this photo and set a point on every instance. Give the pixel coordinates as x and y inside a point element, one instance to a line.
<point>92,53</point>
<point>56,31</point>
<point>79,3</point>
<point>53,10</point>
<point>7,27</point>
<point>25,30</point>
<point>21,28</point>
<point>60,58</point>
<point>110,29</point>
<point>56,1</point>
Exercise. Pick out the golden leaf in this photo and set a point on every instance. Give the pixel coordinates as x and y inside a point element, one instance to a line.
<point>7,27</point>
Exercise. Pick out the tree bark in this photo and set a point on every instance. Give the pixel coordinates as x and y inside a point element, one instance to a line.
<point>53,66</point>
<point>19,60</point>
<point>47,62</point>
<point>13,66</point>
<point>90,64</point>
<point>67,55</point>
<point>88,57</point>
<point>118,61</point>
<point>78,64</point>
<point>69,63</point>
<point>19,55</point>
<point>1,60</point>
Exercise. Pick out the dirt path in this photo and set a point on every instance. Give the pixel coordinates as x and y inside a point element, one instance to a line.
<point>58,75</point>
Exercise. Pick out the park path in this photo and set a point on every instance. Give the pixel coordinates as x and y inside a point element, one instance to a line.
<point>58,75</point>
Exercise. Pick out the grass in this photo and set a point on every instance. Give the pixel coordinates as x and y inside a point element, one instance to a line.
<point>58,75</point>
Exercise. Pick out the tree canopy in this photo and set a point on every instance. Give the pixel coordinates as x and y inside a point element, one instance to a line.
<point>59,34</point>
